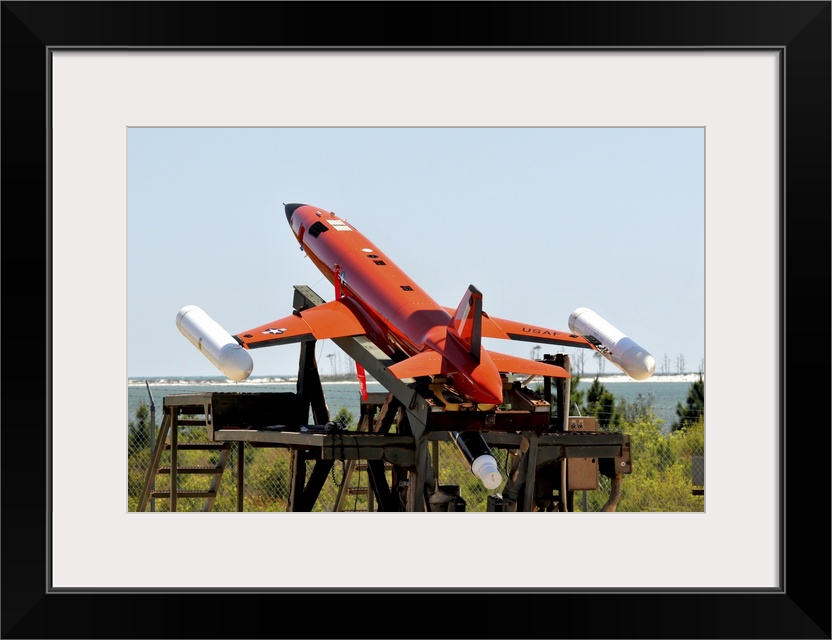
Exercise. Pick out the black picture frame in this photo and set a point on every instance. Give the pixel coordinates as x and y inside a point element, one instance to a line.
<point>800,31</point>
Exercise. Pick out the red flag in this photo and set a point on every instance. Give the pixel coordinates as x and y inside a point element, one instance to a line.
<point>362,381</point>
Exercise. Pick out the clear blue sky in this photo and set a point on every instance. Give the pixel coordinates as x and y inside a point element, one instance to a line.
<point>541,220</point>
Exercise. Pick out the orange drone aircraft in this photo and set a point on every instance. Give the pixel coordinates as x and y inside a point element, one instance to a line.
<point>376,299</point>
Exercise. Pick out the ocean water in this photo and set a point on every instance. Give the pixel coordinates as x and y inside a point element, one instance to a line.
<point>664,391</point>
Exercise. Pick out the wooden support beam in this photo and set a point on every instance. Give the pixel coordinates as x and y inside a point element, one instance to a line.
<point>381,489</point>
<point>241,461</point>
<point>309,389</point>
<point>320,473</point>
<point>150,477</point>
<point>297,479</point>
<point>174,461</point>
<point>531,471</point>
<point>564,386</point>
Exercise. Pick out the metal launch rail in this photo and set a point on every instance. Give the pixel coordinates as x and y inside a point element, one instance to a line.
<point>553,454</point>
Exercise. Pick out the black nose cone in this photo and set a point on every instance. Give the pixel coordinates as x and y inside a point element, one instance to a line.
<point>290,209</point>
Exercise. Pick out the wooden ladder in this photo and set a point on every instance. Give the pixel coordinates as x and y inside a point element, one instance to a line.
<point>168,440</point>
<point>345,490</point>
<point>366,422</point>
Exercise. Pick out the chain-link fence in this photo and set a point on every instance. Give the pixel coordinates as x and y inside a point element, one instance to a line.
<point>667,470</point>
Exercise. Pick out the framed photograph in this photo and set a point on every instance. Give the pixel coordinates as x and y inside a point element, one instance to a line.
<point>78,78</point>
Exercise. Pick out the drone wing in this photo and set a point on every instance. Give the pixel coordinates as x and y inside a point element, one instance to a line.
<point>329,320</point>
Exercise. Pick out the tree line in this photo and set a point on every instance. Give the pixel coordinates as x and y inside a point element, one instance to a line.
<point>611,412</point>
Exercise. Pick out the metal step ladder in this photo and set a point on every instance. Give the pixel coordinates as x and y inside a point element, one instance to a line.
<point>168,440</point>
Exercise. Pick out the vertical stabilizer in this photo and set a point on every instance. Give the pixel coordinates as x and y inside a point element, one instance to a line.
<point>467,321</point>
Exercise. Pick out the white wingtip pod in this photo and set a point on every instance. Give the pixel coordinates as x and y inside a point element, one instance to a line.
<point>214,342</point>
<point>485,468</point>
<point>611,343</point>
